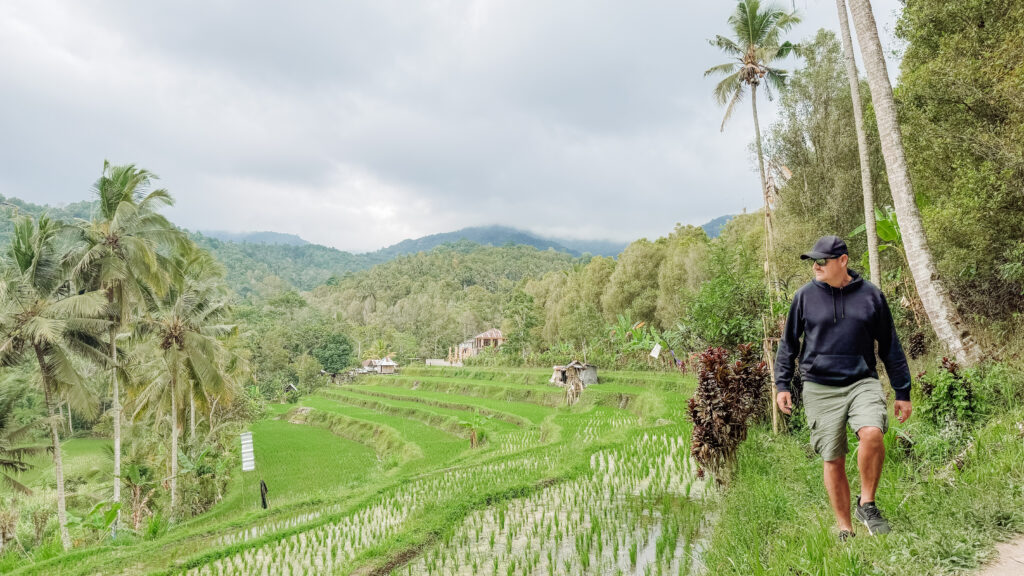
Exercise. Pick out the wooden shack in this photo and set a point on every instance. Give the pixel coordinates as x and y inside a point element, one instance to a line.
<point>575,370</point>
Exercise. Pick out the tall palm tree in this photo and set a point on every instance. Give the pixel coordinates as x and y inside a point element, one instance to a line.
<point>756,44</point>
<point>184,330</point>
<point>13,449</point>
<point>945,320</point>
<point>43,314</point>
<point>862,144</point>
<point>122,256</point>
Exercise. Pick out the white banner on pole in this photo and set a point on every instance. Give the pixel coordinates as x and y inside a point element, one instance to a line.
<point>656,351</point>
<point>248,458</point>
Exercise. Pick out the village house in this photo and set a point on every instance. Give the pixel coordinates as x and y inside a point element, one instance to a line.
<point>471,347</point>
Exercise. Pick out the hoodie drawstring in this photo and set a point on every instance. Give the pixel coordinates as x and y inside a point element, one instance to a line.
<point>833,292</point>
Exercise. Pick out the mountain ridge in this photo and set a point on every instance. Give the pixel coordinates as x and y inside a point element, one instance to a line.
<point>257,237</point>
<point>252,259</point>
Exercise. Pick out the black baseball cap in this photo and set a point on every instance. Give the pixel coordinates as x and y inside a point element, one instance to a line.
<point>826,247</point>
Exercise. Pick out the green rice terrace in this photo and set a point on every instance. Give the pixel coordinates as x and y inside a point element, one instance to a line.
<point>382,477</point>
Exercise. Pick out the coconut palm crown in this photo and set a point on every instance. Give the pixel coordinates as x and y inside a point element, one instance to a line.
<point>756,44</point>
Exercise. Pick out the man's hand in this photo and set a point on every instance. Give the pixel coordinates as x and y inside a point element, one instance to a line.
<point>785,402</point>
<point>902,410</point>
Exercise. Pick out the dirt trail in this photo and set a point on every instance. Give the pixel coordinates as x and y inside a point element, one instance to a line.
<point>1010,561</point>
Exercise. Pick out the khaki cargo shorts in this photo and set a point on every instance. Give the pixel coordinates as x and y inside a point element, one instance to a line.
<point>830,408</point>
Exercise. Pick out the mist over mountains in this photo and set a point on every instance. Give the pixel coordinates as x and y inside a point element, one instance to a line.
<point>255,257</point>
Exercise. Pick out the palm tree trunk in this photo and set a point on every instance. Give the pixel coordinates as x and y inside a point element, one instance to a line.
<point>945,320</point>
<point>58,464</point>
<point>862,145</point>
<point>192,411</point>
<point>769,248</point>
<point>174,448</point>
<point>71,427</point>
<point>115,386</point>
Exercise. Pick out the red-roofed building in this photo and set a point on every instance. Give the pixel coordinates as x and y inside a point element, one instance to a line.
<point>472,346</point>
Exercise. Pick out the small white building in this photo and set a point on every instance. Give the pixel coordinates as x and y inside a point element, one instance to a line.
<point>387,366</point>
<point>380,366</point>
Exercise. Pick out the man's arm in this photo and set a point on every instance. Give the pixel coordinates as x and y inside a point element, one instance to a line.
<point>789,345</point>
<point>891,352</point>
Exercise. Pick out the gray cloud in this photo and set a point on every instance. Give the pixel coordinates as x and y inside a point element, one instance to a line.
<point>358,124</point>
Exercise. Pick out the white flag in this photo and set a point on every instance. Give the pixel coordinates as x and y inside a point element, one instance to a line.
<point>248,458</point>
<point>656,351</point>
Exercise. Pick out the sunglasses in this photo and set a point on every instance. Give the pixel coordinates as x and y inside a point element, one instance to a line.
<point>823,261</point>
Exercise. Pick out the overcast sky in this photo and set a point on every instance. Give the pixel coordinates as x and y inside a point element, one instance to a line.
<point>357,124</point>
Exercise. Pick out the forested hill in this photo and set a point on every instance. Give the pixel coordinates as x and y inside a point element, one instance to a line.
<point>269,262</point>
<point>425,302</point>
<point>251,264</point>
<point>272,262</point>
<point>12,205</point>
<point>273,267</point>
<point>262,237</point>
<point>501,236</point>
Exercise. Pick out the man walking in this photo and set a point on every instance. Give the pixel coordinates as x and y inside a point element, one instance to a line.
<point>841,316</point>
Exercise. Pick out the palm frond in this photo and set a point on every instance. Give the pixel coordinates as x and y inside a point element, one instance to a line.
<point>60,369</point>
<point>88,305</point>
<point>737,96</point>
<point>727,45</point>
<point>728,89</point>
<point>728,68</point>
<point>15,485</point>
<point>43,331</point>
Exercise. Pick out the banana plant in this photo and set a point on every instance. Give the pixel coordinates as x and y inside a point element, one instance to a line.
<point>888,229</point>
<point>99,518</point>
<point>890,238</point>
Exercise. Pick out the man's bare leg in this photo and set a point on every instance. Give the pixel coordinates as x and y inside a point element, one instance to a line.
<point>870,457</point>
<point>838,488</point>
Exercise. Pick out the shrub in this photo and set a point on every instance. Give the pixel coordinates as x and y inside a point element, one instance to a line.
<point>728,397</point>
<point>950,396</point>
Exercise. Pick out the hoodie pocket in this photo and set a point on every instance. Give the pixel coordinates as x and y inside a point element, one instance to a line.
<point>838,367</point>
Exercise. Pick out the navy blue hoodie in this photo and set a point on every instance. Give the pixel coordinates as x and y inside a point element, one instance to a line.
<point>840,327</point>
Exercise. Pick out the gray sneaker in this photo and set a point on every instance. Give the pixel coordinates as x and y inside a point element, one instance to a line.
<point>845,535</point>
<point>872,517</point>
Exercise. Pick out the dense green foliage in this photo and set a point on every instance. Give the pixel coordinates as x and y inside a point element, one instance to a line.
<point>963,116</point>
<point>423,304</point>
<point>268,268</point>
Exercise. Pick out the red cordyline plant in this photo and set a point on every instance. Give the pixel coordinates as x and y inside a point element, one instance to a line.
<point>729,396</point>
